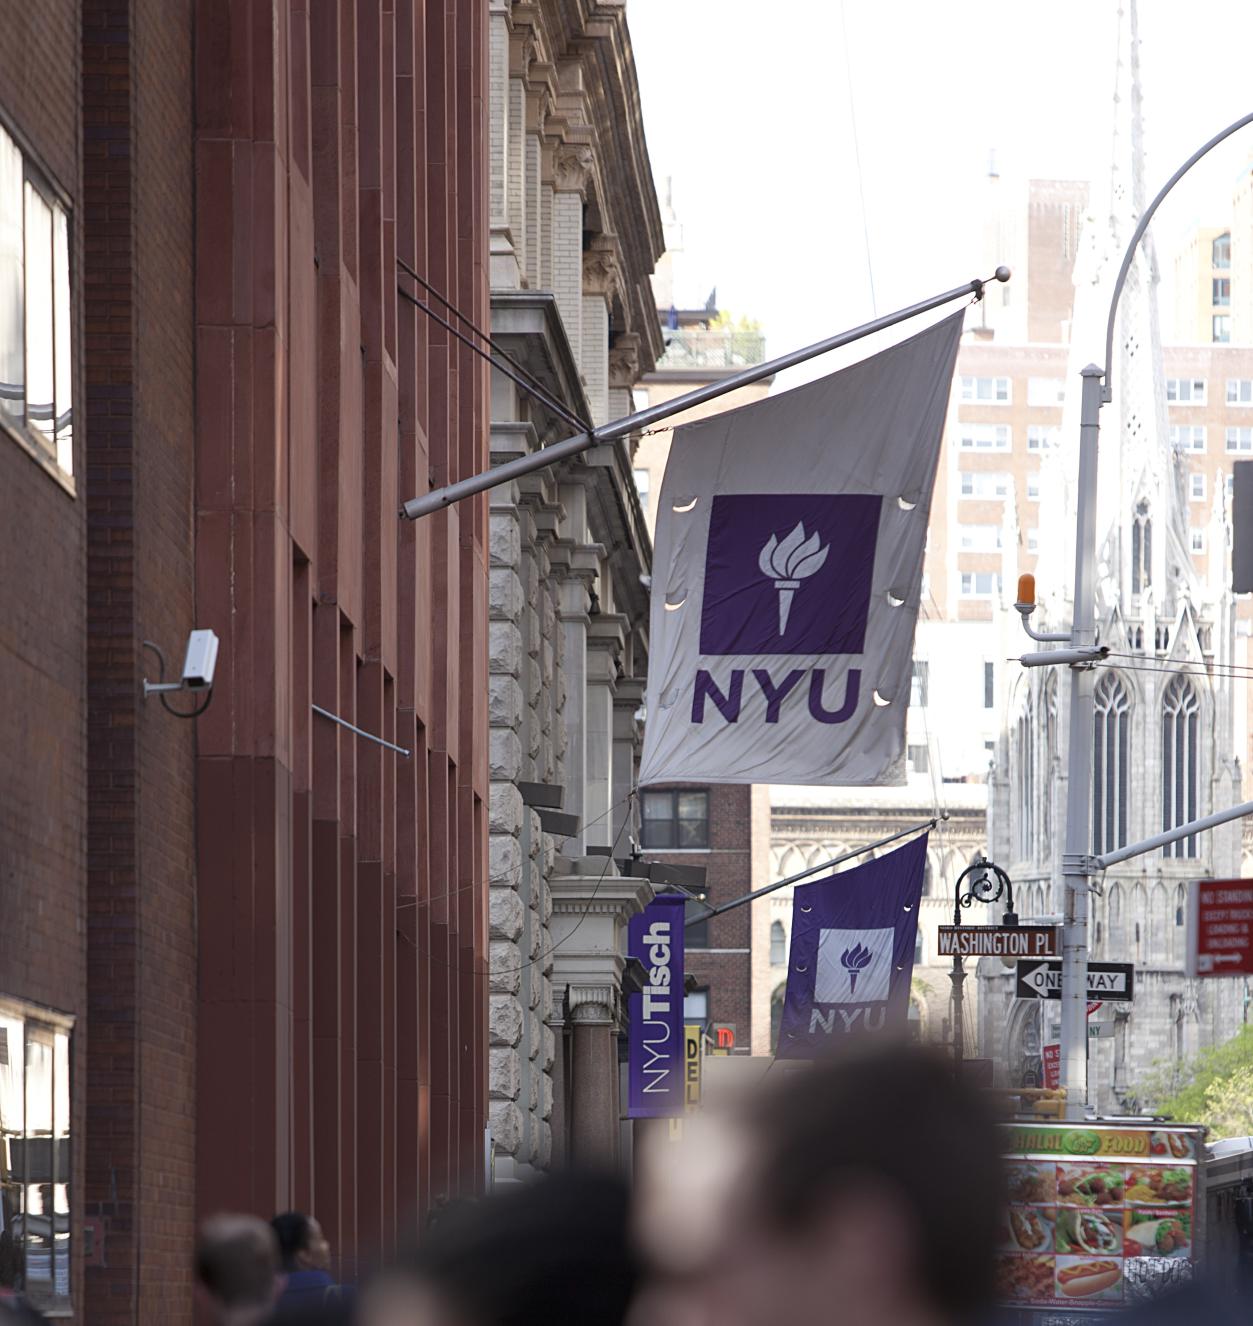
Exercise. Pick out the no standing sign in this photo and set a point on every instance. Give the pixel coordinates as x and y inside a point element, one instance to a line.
<point>1221,929</point>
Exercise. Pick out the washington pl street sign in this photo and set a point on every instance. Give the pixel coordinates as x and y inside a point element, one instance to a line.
<point>1107,981</point>
<point>998,941</point>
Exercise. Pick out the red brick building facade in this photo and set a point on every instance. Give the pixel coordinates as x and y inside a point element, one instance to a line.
<point>255,942</point>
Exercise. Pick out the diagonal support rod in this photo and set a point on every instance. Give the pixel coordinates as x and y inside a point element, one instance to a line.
<point>440,498</point>
<point>813,870</point>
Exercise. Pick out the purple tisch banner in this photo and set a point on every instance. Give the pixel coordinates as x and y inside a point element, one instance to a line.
<point>852,952</point>
<point>656,1059</point>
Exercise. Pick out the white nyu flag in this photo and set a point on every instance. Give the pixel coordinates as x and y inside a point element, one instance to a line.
<point>787,573</point>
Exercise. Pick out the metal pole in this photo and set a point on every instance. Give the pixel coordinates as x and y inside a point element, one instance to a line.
<point>958,977</point>
<point>1076,857</point>
<point>574,446</point>
<point>1173,835</point>
<point>813,870</point>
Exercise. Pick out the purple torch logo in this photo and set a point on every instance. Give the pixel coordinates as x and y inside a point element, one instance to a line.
<point>854,961</point>
<point>787,563</point>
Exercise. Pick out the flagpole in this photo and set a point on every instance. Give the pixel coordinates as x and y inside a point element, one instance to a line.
<point>439,498</point>
<point>813,870</point>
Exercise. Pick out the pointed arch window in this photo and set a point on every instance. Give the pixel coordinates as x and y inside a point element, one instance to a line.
<point>1180,762</point>
<point>778,944</point>
<point>1049,754</point>
<point>1141,549</point>
<point>1026,781</point>
<point>1110,764</point>
<point>1117,937</point>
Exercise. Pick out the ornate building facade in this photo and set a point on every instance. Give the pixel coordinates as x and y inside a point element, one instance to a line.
<point>1165,738</point>
<point>575,234</point>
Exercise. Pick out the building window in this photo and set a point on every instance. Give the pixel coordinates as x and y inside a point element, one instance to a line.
<point>1221,251</point>
<point>989,484</point>
<point>1240,391</point>
<point>1041,437</point>
<point>35,1156</point>
<point>1221,326</point>
<point>1180,714</point>
<point>980,584</point>
<point>696,923</point>
<point>1185,391</point>
<point>1196,487</point>
<point>1050,753</point>
<point>1198,540</point>
<point>1046,391</point>
<point>1222,290</point>
<point>1033,487</point>
<point>917,756</point>
<point>979,538</point>
<point>986,391</point>
<point>1110,764</point>
<point>1239,439</point>
<point>989,685</point>
<point>1033,540</point>
<point>985,437</point>
<point>643,482</point>
<point>696,1008</point>
<point>676,819</point>
<point>918,682</point>
<point>1187,437</point>
<point>778,944</point>
<point>36,355</point>
<point>1141,550</point>
<point>1026,781</point>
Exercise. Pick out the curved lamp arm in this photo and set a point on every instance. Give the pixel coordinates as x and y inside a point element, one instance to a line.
<point>1138,235</point>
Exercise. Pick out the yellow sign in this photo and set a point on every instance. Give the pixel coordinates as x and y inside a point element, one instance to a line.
<point>693,1033</point>
<point>1155,1145</point>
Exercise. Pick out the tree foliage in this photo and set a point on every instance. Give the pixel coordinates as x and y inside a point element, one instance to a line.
<point>1215,1088</point>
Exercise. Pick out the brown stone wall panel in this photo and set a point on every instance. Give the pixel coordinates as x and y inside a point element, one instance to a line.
<point>299,75</point>
<point>369,1065</point>
<point>326,982</point>
<point>348,1103</point>
<point>302,1149</point>
<point>302,373</point>
<point>270,665</point>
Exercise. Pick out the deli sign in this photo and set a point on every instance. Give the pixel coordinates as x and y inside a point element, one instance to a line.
<point>996,941</point>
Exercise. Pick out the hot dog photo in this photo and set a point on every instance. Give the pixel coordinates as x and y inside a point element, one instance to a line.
<point>1089,1278</point>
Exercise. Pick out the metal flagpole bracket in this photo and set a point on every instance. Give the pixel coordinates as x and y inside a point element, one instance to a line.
<point>439,498</point>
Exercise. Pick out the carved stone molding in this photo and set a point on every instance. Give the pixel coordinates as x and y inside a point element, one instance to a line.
<point>592,1003</point>
<point>624,361</point>
<point>572,168</point>
<point>602,267</point>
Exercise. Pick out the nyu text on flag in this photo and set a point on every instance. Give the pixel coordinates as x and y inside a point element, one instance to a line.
<point>852,956</point>
<point>656,1047</point>
<point>787,576</point>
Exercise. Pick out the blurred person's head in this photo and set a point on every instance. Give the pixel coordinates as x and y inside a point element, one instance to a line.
<point>868,1195</point>
<point>237,1267</point>
<point>301,1244</point>
<point>553,1253</point>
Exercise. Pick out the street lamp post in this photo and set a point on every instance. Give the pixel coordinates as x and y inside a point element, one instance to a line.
<point>983,889</point>
<point>1078,863</point>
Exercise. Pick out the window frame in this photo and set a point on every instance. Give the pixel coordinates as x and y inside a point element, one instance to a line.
<point>1243,437</point>
<point>40,447</point>
<point>974,592</point>
<point>970,383</point>
<point>1196,434</point>
<point>1111,780</point>
<point>1181,715</point>
<point>674,794</point>
<point>1191,399</point>
<point>1243,393</point>
<point>972,436</point>
<point>1197,481</point>
<point>56,1031</point>
<point>1220,328</point>
<point>974,476</point>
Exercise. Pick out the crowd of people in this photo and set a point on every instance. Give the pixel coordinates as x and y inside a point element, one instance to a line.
<point>863,1192</point>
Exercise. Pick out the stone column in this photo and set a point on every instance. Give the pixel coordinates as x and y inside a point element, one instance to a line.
<point>594,1069</point>
<point>501,168</point>
<point>600,280</point>
<point>604,649</point>
<point>627,700</point>
<point>624,373</point>
<point>572,166</point>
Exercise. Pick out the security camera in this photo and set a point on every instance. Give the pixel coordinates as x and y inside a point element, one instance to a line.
<point>200,660</point>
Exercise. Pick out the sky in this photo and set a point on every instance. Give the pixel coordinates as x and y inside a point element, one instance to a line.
<point>748,111</point>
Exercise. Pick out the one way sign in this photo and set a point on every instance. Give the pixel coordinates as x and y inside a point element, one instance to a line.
<point>1107,981</point>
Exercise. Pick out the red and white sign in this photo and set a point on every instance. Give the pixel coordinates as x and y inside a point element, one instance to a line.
<point>1052,1056</point>
<point>1221,931</point>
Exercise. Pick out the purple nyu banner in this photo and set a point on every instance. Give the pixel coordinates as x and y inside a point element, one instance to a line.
<point>852,952</point>
<point>655,937</point>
